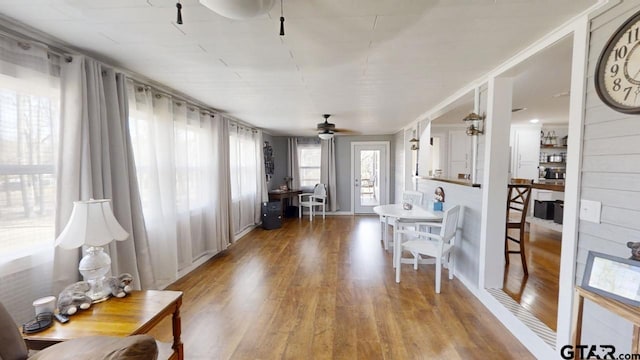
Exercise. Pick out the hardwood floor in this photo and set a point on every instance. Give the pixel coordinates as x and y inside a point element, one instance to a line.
<point>537,292</point>
<point>326,290</point>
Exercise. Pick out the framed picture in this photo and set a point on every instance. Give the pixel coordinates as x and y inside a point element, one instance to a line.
<point>613,277</point>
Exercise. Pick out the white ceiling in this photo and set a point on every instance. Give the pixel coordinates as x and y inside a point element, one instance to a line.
<point>376,65</point>
<point>540,88</point>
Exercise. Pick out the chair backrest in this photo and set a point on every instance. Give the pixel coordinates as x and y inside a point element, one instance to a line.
<point>412,197</point>
<point>320,190</point>
<point>450,223</point>
<point>518,201</point>
<point>12,347</point>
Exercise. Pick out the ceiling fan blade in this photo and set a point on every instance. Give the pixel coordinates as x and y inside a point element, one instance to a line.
<point>346,131</point>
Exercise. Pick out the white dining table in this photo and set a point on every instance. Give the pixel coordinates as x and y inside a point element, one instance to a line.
<point>397,212</point>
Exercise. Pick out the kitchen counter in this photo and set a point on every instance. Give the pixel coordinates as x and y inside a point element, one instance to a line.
<point>462,182</point>
<point>553,185</point>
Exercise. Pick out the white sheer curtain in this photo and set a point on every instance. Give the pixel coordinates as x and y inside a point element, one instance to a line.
<point>248,187</point>
<point>178,154</point>
<point>328,171</point>
<point>29,103</point>
<point>96,161</point>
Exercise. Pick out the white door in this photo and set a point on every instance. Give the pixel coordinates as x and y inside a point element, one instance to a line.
<point>459,153</point>
<point>369,175</point>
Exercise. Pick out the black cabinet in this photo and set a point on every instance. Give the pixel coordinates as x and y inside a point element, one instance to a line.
<point>543,209</point>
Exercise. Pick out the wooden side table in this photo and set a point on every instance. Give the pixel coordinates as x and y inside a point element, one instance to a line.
<point>628,312</point>
<point>137,313</point>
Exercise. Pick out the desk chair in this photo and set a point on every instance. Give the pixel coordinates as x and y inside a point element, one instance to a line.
<point>317,198</point>
<point>517,207</point>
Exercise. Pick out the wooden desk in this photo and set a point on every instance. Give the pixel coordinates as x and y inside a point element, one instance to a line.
<point>631,313</point>
<point>137,313</point>
<point>284,197</point>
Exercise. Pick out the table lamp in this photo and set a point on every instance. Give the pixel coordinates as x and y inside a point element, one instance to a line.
<point>92,224</point>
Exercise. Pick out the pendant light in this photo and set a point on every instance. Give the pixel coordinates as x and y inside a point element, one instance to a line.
<point>281,19</point>
<point>179,6</point>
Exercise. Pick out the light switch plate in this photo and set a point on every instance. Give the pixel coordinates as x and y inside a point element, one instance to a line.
<point>590,210</point>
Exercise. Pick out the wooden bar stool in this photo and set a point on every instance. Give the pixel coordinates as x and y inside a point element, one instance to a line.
<point>517,207</point>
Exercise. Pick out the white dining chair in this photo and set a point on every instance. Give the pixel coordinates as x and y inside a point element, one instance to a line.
<point>411,197</point>
<point>317,198</point>
<point>440,246</point>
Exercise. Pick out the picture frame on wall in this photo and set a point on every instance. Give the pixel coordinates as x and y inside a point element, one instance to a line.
<point>613,277</point>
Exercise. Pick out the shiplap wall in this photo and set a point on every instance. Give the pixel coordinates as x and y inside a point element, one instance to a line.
<point>398,165</point>
<point>611,175</point>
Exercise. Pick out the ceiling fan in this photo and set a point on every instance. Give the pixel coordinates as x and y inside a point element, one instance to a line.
<point>326,130</point>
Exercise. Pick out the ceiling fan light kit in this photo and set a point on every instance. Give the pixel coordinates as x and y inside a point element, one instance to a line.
<point>325,135</point>
<point>240,9</point>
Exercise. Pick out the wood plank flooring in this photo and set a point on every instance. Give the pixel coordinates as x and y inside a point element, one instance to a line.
<point>537,292</point>
<point>326,290</point>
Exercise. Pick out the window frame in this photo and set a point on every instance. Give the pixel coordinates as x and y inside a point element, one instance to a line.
<point>301,167</point>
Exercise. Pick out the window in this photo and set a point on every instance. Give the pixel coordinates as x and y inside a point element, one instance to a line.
<point>309,165</point>
<point>28,115</point>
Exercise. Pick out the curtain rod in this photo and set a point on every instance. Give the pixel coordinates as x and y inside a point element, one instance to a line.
<point>50,49</point>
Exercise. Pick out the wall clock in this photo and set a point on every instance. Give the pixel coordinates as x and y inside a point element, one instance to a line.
<point>617,77</point>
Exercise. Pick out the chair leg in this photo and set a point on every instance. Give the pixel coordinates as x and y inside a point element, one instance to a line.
<point>451,262</point>
<point>416,258</point>
<point>396,256</point>
<point>323,211</point>
<point>522,254</point>
<point>300,211</point>
<point>395,241</point>
<point>438,273</point>
<point>311,213</point>
<point>506,247</point>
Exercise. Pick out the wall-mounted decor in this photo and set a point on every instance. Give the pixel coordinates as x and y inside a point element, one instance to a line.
<point>613,277</point>
<point>617,77</point>
<point>267,150</point>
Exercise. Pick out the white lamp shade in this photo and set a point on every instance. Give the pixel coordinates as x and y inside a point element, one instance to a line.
<point>325,135</point>
<point>91,223</point>
<point>239,9</point>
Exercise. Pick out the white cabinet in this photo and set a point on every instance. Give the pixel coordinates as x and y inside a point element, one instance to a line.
<point>525,152</point>
<point>459,153</point>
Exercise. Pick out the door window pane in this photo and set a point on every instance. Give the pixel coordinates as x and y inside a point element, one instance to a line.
<point>370,177</point>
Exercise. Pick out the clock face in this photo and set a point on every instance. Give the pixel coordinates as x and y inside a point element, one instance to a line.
<point>618,70</point>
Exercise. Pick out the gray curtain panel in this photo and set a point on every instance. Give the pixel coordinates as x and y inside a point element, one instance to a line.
<point>96,161</point>
<point>293,171</point>
<point>328,171</point>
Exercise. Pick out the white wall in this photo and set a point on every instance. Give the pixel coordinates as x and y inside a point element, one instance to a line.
<point>398,160</point>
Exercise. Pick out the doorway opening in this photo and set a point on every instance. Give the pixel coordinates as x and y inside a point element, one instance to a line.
<point>370,161</point>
